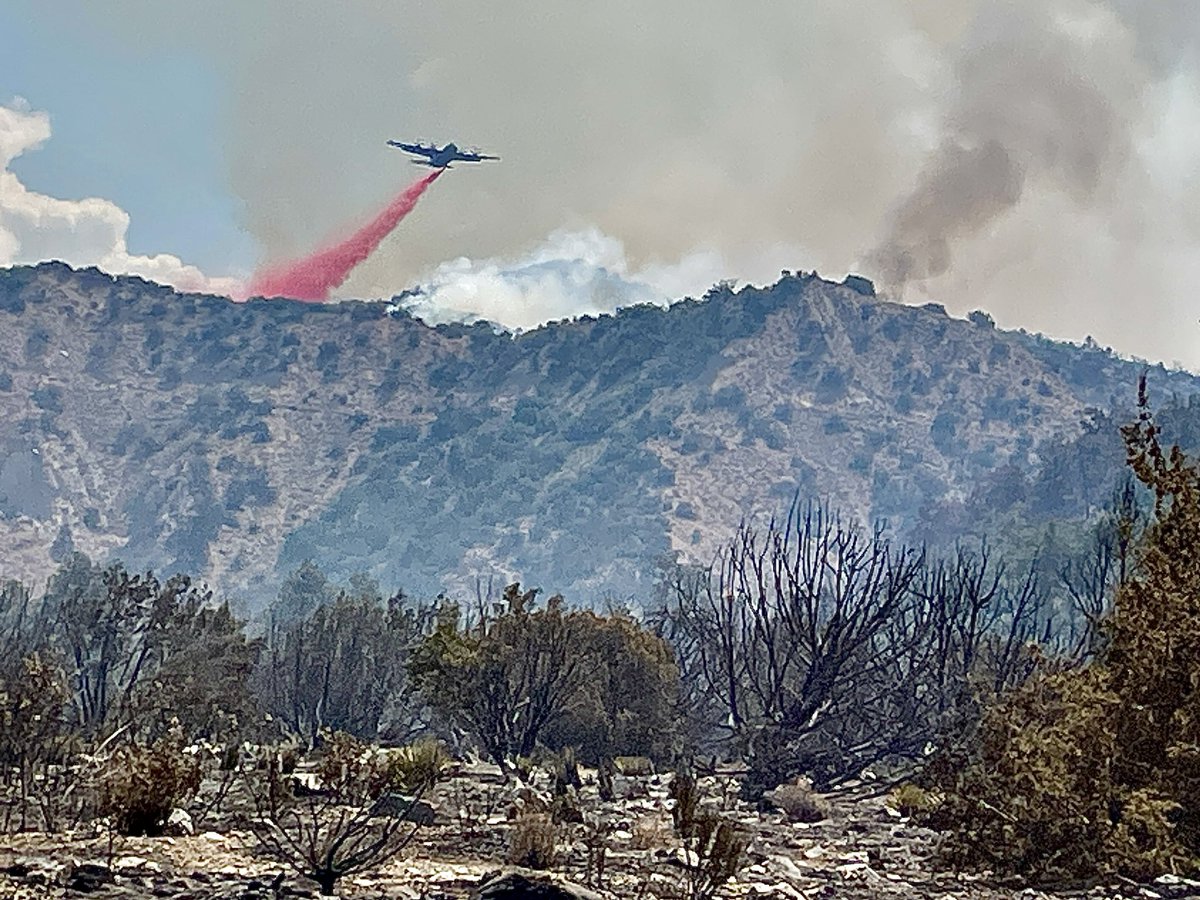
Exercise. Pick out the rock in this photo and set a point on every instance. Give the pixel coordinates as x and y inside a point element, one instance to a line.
<point>87,878</point>
<point>684,858</point>
<point>406,808</point>
<point>481,772</point>
<point>33,870</point>
<point>179,824</point>
<point>524,884</point>
<point>635,766</point>
<point>308,784</point>
<point>128,864</point>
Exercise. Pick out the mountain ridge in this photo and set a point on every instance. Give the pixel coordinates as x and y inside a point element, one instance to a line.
<point>234,441</point>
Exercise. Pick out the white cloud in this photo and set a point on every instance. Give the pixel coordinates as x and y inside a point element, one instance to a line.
<point>90,232</point>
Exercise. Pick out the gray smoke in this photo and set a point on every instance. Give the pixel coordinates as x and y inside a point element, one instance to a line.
<point>1040,98</point>
<point>1031,157</point>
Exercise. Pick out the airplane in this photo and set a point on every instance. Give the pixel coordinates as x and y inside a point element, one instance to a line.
<point>440,158</point>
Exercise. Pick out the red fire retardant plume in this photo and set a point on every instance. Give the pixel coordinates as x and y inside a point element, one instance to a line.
<point>313,277</point>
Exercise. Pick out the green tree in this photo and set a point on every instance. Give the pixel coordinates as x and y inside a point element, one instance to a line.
<point>1096,770</point>
<point>140,651</point>
<point>201,675</point>
<point>628,707</point>
<point>552,676</point>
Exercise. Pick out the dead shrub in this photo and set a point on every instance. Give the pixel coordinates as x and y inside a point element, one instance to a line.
<point>596,834</point>
<point>565,809</point>
<point>534,842</point>
<point>713,853</point>
<point>138,786</point>
<point>354,823</point>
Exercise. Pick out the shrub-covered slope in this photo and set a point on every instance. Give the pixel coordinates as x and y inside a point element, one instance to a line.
<point>234,441</point>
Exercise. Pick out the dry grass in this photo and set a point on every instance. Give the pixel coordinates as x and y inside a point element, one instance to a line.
<point>534,843</point>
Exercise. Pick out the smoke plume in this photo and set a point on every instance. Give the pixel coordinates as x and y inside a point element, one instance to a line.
<point>1034,158</point>
<point>1033,99</point>
<point>314,276</point>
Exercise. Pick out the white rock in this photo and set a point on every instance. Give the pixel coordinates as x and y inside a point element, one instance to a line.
<point>779,889</point>
<point>787,867</point>
<point>180,823</point>
<point>857,870</point>
<point>126,863</point>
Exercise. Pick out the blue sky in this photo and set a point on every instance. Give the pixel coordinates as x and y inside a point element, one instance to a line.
<point>134,122</point>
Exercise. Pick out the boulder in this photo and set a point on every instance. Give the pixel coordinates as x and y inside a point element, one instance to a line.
<point>634,766</point>
<point>526,884</point>
<point>308,784</point>
<point>179,824</point>
<point>89,877</point>
<point>416,811</point>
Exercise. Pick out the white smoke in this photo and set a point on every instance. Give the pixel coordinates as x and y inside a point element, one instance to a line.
<point>90,232</point>
<point>570,274</point>
<point>1035,158</point>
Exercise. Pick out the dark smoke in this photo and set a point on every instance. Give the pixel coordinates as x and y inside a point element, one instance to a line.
<point>1035,158</point>
<point>1032,104</point>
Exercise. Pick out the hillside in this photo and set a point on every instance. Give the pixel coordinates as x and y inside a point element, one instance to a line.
<point>234,441</point>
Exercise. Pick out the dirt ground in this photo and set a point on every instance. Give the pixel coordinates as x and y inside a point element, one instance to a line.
<point>863,848</point>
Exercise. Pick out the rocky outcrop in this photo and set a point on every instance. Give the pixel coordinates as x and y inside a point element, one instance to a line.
<point>524,884</point>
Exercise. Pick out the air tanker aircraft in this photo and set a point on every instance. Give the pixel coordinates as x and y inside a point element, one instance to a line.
<point>440,158</point>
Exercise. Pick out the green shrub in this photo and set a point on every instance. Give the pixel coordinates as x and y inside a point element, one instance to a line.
<point>1095,771</point>
<point>713,850</point>
<point>686,793</point>
<point>713,853</point>
<point>911,800</point>
<point>418,765</point>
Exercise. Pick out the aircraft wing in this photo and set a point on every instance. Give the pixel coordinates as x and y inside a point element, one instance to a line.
<point>414,148</point>
<point>473,157</point>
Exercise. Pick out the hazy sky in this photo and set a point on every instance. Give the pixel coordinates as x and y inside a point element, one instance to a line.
<point>1036,158</point>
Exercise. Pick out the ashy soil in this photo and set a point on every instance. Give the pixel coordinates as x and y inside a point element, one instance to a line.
<point>624,848</point>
